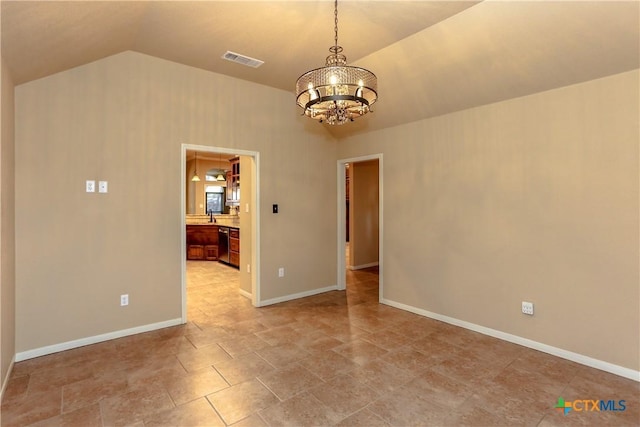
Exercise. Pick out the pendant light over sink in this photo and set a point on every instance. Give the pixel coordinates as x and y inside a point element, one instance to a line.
<point>196,178</point>
<point>220,177</point>
<point>336,93</point>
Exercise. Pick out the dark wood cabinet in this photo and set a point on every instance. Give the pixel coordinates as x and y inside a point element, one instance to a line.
<point>234,247</point>
<point>211,252</point>
<point>202,242</point>
<point>195,252</point>
<point>233,181</point>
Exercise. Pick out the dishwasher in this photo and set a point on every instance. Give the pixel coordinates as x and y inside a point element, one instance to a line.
<point>223,244</point>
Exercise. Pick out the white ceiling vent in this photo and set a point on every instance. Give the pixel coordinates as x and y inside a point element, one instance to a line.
<point>242,59</point>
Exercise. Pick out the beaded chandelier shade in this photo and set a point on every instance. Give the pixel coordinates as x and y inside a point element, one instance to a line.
<point>336,93</point>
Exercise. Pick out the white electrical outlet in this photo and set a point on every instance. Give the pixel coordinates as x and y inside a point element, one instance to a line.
<point>248,268</point>
<point>527,308</point>
<point>102,187</point>
<point>124,300</point>
<point>91,186</point>
<point>281,272</point>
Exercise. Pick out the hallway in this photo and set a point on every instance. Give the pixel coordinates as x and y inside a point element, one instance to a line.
<point>337,358</point>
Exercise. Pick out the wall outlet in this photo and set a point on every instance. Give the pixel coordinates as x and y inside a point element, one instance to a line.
<point>124,300</point>
<point>248,268</point>
<point>90,186</point>
<point>527,308</point>
<point>281,272</point>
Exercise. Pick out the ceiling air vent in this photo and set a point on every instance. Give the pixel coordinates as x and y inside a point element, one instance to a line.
<point>241,59</point>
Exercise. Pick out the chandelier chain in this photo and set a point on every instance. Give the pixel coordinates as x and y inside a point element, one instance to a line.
<point>335,13</point>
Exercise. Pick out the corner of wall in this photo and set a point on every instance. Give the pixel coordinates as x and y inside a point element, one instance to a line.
<point>7,225</point>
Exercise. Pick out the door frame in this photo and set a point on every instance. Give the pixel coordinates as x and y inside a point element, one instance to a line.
<point>254,212</point>
<point>342,235</point>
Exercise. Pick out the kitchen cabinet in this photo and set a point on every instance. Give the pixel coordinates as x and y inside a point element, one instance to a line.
<point>233,181</point>
<point>195,252</point>
<point>202,242</point>
<point>234,247</point>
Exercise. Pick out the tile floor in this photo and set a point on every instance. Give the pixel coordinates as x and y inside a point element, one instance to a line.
<point>335,359</point>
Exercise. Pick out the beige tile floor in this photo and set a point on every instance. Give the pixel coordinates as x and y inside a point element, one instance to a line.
<point>337,358</point>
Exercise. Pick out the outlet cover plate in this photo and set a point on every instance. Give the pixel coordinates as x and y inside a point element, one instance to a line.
<point>527,308</point>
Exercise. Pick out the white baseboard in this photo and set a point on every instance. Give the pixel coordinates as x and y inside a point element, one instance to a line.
<point>50,349</point>
<point>6,378</point>
<point>360,267</point>
<point>298,295</point>
<point>245,294</point>
<point>555,351</point>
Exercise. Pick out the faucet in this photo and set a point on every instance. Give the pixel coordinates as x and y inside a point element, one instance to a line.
<point>211,218</point>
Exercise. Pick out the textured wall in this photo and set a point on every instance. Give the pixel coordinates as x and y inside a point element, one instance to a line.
<point>532,199</point>
<point>123,119</point>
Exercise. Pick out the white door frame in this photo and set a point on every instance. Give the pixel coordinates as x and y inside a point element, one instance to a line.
<point>342,268</point>
<point>254,211</point>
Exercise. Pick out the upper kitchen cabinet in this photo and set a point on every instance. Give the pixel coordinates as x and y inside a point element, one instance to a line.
<point>233,181</point>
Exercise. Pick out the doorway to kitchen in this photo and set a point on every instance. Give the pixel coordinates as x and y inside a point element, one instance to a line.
<point>242,211</point>
<point>361,197</point>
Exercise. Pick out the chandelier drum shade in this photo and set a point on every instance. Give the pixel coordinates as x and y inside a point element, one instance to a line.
<point>336,93</point>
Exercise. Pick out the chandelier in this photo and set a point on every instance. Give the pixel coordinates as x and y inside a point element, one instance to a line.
<point>336,93</point>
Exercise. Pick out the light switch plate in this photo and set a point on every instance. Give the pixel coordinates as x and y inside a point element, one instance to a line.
<point>102,186</point>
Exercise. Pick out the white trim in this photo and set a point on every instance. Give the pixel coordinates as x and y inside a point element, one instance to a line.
<point>342,268</point>
<point>183,234</point>
<point>555,351</point>
<point>6,378</point>
<point>255,233</point>
<point>298,295</point>
<point>341,282</point>
<point>362,266</point>
<point>245,294</point>
<point>50,349</point>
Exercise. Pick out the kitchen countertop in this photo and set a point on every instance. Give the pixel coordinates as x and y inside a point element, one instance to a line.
<point>228,223</point>
<point>232,221</point>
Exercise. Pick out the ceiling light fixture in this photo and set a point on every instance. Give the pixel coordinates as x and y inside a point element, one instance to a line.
<point>220,177</point>
<point>336,93</point>
<point>196,178</point>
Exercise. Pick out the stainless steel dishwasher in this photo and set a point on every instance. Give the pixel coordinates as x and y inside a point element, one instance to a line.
<point>223,244</point>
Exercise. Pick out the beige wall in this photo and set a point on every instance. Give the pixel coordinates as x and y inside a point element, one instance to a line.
<point>195,195</point>
<point>123,119</point>
<point>7,218</point>
<point>532,199</point>
<point>364,215</point>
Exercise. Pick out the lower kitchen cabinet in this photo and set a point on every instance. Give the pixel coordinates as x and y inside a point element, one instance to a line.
<point>234,247</point>
<point>202,242</point>
<point>211,252</point>
<point>195,252</point>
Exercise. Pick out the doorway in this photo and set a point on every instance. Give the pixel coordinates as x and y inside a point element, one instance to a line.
<point>376,162</point>
<point>248,208</point>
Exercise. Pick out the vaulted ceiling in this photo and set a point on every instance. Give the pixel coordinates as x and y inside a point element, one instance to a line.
<point>431,57</point>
